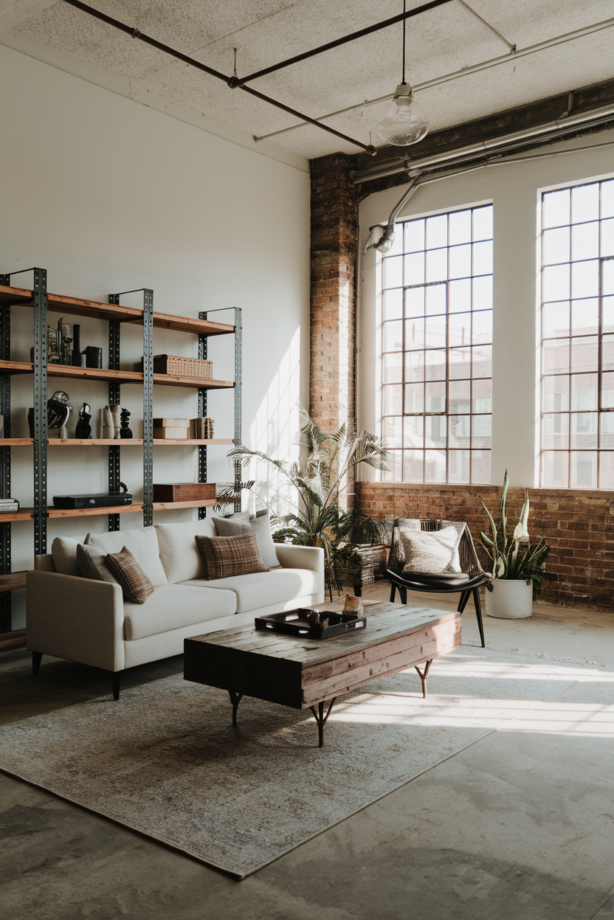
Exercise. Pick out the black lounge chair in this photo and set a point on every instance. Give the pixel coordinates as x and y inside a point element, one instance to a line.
<point>466,582</point>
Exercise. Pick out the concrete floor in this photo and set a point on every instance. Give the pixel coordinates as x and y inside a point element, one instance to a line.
<point>519,826</point>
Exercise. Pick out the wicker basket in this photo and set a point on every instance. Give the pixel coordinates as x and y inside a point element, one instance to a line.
<point>182,367</point>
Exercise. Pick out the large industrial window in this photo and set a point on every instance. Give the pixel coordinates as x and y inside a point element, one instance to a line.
<point>437,348</point>
<point>577,318</point>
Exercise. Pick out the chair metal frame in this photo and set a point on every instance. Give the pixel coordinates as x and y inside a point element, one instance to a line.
<point>416,581</point>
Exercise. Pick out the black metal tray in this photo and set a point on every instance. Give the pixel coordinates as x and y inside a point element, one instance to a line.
<point>294,623</point>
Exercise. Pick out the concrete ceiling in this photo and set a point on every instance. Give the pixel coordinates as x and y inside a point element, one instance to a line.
<point>439,42</point>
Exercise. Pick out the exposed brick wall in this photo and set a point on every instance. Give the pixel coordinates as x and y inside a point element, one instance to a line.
<point>334,225</point>
<point>578,525</point>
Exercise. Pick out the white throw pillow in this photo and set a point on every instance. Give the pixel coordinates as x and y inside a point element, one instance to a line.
<point>64,554</point>
<point>404,526</point>
<point>430,552</point>
<point>142,543</point>
<point>92,563</point>
<point>178,550</point>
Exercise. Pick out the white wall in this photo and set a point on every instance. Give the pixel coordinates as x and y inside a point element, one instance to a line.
<point>108,195</point>
<point>514,190</point>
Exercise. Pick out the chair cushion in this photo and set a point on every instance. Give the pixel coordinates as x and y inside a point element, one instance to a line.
<point>224,557</point>
<point>135,584</point>
<point>260,526</point>
<point>142,543</point>
<point>174,606</point>
<point>429,551</point>
<point>178,551</point>
<point>64,554</point>
<point>264,589</point>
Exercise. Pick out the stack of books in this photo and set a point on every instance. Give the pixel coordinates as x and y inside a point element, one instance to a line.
<point>7,505</point>
<point>202,428</point>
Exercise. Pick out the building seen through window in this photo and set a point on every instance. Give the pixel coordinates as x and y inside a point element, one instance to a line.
<point>577,316</point>
<point>437,348</point>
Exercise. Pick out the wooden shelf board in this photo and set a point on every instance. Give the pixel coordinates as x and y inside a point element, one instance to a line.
<point>13,639</point>
<point>91,512</point>
<point>12,582</point>
<point>16,367</point>
<point>193,442</point>
<point>93,373</point>
<point>24,514</point>
<point>16,442</point>
<point>93,442</point>
<point>196,383</point>
<point>169,506</point>
<point>77,306</point>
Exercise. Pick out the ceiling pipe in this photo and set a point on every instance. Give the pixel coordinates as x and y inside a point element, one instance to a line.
<point>555,129</point>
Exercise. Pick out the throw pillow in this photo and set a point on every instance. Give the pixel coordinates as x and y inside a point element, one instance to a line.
<point>225,557</point>
<point>259,525</point>
<point>92,564</point>
<point>135,583</point>
<point>178,550</point>
<point>142,543</point>
<point>64,554</point>
<point>404,526</point>
<point>430,552</point>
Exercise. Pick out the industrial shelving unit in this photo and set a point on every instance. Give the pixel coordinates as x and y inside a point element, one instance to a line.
<point>115,313</point>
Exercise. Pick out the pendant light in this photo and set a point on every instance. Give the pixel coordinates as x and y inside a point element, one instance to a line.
<point>405,121</point>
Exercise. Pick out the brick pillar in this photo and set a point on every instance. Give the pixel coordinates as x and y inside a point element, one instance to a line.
<point>334,226</point>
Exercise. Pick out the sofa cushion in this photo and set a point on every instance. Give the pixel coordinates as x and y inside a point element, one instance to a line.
<point>233,525</point>
<point>142,543</point>
<point>64,554</point>
<point>260,526</point>
<point>136,586</point>
<point>262,589</point>
<point>225,557</point>
<point>174,606</point>
<point>178,550</point>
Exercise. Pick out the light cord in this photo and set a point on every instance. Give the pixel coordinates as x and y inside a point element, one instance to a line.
<point>404,21</point>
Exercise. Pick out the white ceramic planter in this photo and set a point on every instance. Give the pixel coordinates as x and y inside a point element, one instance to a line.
<point>510,600</point>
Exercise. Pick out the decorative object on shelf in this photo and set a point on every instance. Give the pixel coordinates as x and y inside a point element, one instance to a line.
<point>8,505</point>
<point>102,500</point>
<point>320,479</point>
<point>125,431</point>
<point>78,359</point>
<point>171,428</point>
<point>183,491</point>
<point>83,430</point>
<point>182,367</point>
<point>93,356</point>
<point>110,423</point>
<point>66,335</point>
<point>58,412</point>
<point>516,563</point>
<point>202,428</point>
<point>53,352</point>
<point>311,623</point>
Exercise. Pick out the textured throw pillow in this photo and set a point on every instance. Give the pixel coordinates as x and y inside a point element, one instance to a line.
<point>64,554</point>
<point>260,526</point>
<point>135,583</point>
<point>404,526</point>
<point>93,564</point>
<point>429,552</point>
<point>224,557</point>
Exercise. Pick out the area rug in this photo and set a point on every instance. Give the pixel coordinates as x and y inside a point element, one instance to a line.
<point>167,762</point>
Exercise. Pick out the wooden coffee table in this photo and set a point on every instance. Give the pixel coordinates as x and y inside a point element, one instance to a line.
<point>309,673</point>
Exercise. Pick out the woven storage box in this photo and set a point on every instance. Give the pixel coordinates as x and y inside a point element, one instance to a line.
<point>182,367</point>
<point>373,560</point>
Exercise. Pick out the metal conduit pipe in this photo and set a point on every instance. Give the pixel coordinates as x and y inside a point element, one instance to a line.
<point>550,130</point>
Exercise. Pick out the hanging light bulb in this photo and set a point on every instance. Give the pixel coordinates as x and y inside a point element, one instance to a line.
<point>405,121</point>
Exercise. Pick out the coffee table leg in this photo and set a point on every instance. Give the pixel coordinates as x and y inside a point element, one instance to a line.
<point>235,699</point>
<point>321,718</point>
<point>423,676</point>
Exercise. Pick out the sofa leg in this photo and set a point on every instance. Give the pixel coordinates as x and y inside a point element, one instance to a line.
<point>115,678</point>
<point>36,662</point>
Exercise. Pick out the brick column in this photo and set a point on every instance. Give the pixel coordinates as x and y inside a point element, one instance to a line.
<point>334,225</point>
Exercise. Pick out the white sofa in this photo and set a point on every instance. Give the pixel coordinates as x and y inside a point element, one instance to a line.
<point>88,621</point>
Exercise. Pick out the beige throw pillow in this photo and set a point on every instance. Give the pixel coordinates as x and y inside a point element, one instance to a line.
<point>64,554</point>
<point>429,552</point>
<point>260,526</point>
<point>93,564</point>
<point>225,557</point>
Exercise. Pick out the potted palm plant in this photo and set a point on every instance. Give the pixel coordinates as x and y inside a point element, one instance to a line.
<point>320,479</point>
<point>517,564</point>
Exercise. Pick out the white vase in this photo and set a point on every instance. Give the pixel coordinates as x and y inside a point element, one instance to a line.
<point>509,600</point>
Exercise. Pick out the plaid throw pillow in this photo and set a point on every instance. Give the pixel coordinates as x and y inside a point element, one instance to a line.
<point>224,557</point>
<point>135,583</point>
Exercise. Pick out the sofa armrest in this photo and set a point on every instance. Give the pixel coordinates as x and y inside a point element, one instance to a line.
<point>301,557</point>
<point>76,618</point>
